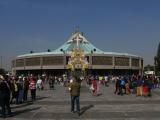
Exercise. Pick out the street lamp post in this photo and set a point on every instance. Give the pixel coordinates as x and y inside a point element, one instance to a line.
<point>155,64</point>
<point>64,59</point>
<point>1,62</point>
<point>90,60</point>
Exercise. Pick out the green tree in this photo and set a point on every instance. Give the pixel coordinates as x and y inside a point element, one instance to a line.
<point>149,68</point>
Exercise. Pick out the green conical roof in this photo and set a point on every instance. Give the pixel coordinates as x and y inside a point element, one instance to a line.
<point>77,39</point>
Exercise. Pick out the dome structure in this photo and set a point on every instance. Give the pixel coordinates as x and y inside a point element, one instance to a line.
<point>100,62</point>
<point>78,40</point>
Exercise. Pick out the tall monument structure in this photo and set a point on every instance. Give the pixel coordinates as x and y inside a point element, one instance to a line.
<point>157,61</point>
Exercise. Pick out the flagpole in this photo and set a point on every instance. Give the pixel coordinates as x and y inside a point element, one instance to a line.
<point>1,62</point>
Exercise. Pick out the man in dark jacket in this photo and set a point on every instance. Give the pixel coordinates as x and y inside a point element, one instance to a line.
<point>5,96</point>
<point>74,88</point>
<point>26,88</point>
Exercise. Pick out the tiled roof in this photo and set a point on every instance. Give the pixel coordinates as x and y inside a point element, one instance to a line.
<point>77,39</point>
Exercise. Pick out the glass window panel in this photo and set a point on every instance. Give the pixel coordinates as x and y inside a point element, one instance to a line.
<point>55,60</point>
<point>121,61</point>
<point>19,62</point>
<point>33,61</point>
<point>102,60</point>
<point>135,62</point>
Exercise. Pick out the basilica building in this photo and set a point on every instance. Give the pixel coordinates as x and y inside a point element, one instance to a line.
<point>99,62</point>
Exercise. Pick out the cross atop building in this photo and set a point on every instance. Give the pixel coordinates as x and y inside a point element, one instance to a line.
<point>77,29</point>
<point>77,39</point>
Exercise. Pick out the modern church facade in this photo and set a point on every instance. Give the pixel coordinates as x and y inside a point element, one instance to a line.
<point>100,62</point>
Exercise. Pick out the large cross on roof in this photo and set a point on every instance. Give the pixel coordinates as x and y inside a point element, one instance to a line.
<point>77,39</point>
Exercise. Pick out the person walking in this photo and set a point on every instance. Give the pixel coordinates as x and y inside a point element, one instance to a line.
<point>106,80</point>
<point>26,88</point>
<point>14,90</point>
<point>51,82</point>
<point>5,96</point>
<point>32,87</point>
<point>20,90</point>
<point>74,88</point>
<point>117,86</point>
<point>39,84</point>
<point>139,86</point>
<point>94,86</point>
<point>127,88</point>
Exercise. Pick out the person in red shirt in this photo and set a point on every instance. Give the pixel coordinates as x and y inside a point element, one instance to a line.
<point>94,86</point>
<point>32,87</point>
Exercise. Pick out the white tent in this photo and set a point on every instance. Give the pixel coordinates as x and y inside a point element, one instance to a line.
<point>149,72</point>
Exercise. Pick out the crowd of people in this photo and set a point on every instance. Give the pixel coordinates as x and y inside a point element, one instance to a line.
<point>14,89</point>
<point>139,85</point>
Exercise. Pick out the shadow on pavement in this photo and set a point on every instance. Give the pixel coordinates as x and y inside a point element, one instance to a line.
<point>41,98</point>
<point>18,112</point>
<point>99,94</point>
<point>22,105</point>
<point>85,108</point>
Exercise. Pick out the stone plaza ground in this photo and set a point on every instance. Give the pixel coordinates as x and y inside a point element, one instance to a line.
<point>55,105</point>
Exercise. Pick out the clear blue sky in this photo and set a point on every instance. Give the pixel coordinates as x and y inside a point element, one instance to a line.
<point>131,26</point>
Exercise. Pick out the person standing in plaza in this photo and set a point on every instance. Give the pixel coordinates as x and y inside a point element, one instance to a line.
<point>39,84</point>
<point>122,86</point>
<point>127,87</point>
<point>51,82</point>
<point>94,86</point>
<point>74,88</point>
<point>139,86</point>
<point>26,88</point>
<point>32,87</point>
<point>20,90</point>
<point>14,90</point>
<point>117,86</point>
<point>5,96</point>
<point>106,80</point>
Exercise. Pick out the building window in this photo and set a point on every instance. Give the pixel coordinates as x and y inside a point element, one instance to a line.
<point>33,61</point>
<point>121,61</point>
<point>135,62</point>
<point>102,60</point>
<point>19,63</point>
<point>55,60</point>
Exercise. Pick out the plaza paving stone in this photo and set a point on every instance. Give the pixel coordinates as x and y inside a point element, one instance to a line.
<point>55,105</point>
